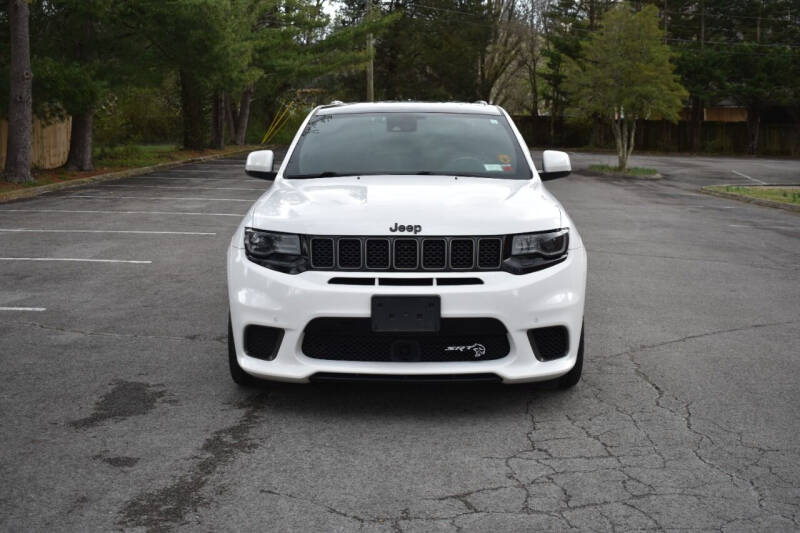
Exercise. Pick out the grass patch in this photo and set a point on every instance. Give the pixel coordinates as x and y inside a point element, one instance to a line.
<point>631,171</point>
<point>46,177</point>
<point>135,155</point>
<point>785,195</point>
<point>119,158</point>
<point>145,155</point>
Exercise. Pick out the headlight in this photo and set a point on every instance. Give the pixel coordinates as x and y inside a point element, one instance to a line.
<point>278,251</point>
<point>534,251</point>
<point>550,244</point>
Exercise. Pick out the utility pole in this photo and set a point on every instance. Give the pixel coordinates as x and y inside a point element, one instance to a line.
<point>370,54</point>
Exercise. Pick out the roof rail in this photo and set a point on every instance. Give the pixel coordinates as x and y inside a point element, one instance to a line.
<point>336,102</point>
<point>481,102</point>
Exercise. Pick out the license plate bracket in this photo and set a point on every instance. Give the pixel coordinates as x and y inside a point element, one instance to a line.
<point>406,314</point>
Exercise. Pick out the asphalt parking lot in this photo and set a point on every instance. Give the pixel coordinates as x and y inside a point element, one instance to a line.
<point>704,170</point>
<point>117,411</point>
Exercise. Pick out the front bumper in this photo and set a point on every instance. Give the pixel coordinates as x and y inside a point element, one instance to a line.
<point>551,297</point>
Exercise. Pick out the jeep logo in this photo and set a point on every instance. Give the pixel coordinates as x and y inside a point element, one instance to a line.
<point>407,229</point>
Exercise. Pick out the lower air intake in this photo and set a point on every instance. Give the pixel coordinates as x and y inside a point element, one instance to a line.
<point>352,339</point>
<point>262,342</point>
<point>549,343</point>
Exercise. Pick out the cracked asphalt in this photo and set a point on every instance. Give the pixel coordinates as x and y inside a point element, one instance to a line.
<point>117,412</point>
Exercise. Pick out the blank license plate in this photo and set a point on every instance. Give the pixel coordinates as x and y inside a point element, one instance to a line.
<point>398,314</point>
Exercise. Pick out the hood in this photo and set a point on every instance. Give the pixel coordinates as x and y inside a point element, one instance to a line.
<point>437,205</point>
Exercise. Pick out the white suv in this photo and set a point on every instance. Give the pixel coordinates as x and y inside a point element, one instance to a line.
<point>407,241</point>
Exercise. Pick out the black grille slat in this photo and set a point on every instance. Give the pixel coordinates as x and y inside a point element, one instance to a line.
<point>352,339</point>
<point>350,253</point>
<point>377,255</point>
<point>406,254</point>
<point>462,253</point>
<point>322,253</point>
<point>434,254</point>
<point>489,253</point>
<point>397,282</point>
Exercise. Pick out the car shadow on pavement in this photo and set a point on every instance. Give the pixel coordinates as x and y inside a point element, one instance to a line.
<point>404,399</point>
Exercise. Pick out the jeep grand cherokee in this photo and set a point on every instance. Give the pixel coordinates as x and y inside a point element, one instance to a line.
<point>410,241</point>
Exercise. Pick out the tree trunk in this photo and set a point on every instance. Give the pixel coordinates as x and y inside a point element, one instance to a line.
<point>20,111</point>
<point>194,135</point>
<point>622,159</point>
<point>230,122</point>
<point>80,142</point>
<point>243,116</point>
<point>616,128</point>
<point>624,136</point>
<point>594,133</point>
<point>753,128</point>
<point>631,142</point>
<point>218,122</point>
<point>696,125</point>
<point>533,80</point>
<point>559,127</point>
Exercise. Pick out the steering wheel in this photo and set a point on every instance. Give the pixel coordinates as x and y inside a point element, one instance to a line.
<point>465,163</point>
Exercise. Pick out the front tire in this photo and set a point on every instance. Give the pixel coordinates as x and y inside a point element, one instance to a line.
<point>240,377</point>
<point>571,378</point>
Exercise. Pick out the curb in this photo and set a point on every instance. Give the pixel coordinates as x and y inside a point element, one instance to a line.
<point>137,171</point>
<point>617,175</point>
<point>756,201</point>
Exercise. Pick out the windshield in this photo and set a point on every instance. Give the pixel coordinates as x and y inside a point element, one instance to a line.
<point>452,144</point>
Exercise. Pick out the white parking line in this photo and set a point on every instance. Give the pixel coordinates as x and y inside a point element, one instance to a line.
<point>622,208</point>
<point>748,177</point>
<point>154,177</point>
<point>190,170</point>
<point>36,309</point>
<point>75,260</point>
<point>763,227</point>
<point>159,198</point>
<point>219,165</point>
<point>136,232</point>
<point>180,187</point>
<point>121,212</point>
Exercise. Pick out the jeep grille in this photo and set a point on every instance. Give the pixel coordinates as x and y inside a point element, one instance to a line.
<point>406,254</point>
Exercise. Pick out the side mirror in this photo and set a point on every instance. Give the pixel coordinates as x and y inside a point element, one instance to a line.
<point>555,165</point>
<point>259,165</point>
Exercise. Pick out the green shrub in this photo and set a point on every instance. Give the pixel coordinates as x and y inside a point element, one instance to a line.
<point>139,115</point>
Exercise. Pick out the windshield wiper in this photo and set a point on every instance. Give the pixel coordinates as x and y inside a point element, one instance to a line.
<point>326,174</point>
<point>331,174</point>
<point>463,175</point>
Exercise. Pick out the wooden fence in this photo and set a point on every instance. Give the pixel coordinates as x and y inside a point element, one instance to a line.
<point>662,136</point>
<point>49,143</point>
